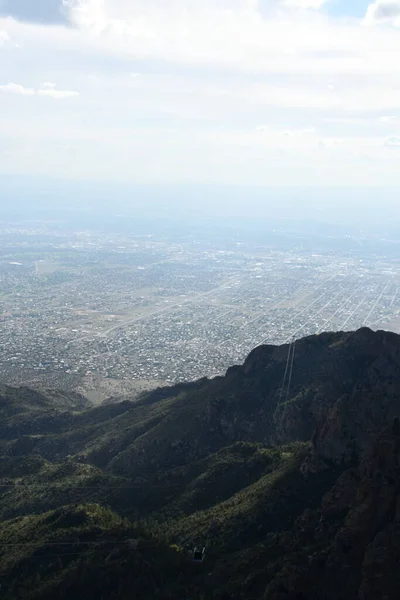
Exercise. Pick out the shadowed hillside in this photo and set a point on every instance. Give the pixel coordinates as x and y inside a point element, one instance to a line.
<point>294,491</point>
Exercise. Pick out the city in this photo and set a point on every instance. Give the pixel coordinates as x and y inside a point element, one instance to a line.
<point>119,312</point>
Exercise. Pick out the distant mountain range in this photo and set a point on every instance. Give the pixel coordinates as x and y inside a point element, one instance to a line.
<point>287,471</point>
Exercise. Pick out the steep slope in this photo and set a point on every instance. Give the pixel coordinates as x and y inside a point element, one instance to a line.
<point>355,374</point>
<point>24,401</point>
<point>349,547</point>
<point>294,492</point>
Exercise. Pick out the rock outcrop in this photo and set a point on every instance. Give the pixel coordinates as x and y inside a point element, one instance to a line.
<point>349,548</point>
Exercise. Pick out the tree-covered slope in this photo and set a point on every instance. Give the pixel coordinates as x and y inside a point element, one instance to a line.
<point>85,551</point>
<point>293,490</point>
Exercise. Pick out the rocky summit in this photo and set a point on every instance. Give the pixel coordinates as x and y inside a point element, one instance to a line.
<point>286,470</point>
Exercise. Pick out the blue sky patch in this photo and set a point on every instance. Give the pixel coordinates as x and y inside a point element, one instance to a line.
<point>347,8</point>
<point>48,12</point>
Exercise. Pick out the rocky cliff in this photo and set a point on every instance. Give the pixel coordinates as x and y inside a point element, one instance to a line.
<point>349,547</point>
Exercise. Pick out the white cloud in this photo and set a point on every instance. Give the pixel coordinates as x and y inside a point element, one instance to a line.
<point>4,37</point>
<point>299,132</point>
<point>269,139</point>
<point>388,119</point>
<point>393,141</point>
<point>16,88</point>
<point>240,90</point>
<point>47,89</point>
<point>304,4</point>
<point>58,94</point>
<point>217,34</point>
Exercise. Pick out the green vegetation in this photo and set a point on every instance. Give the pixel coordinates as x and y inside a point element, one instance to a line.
<point>80,552</point>
<point>109,502</point>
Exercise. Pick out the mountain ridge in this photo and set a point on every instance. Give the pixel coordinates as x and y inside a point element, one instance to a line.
<point>280,485</point>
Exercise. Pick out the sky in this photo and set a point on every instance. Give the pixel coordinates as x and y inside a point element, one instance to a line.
<point>228,92</point>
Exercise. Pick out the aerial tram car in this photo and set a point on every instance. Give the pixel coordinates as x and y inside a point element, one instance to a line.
<point>199,554</point>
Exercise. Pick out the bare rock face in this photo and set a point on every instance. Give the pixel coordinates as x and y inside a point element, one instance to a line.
<point>352,541</point>
<point>352,421</point>
<point>344,388</point>
<point>371,518</point>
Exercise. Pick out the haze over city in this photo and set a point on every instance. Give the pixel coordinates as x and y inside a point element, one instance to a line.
<point>180,183</point>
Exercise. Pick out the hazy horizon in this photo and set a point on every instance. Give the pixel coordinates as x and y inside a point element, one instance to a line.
<point>343,207</point>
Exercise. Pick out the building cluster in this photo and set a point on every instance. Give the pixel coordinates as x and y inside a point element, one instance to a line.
<point>127,307</point>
